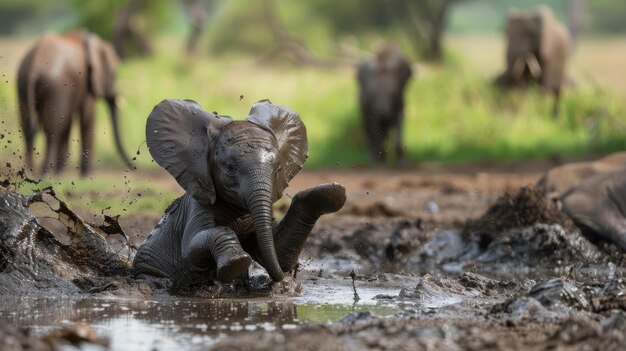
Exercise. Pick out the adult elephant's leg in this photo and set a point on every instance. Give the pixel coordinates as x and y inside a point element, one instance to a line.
<point>216,247</point>
<point>306,208</point>
<point>56,116</point>
<point>62,149</point>
<point>557,102</point>
<point>29,130</point>
<point>86,134</point>
<point>374,135</point>
<point>49,154</point>
<point>398,138</point>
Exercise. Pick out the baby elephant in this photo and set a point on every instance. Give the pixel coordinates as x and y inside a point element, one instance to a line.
<point>232,171</point>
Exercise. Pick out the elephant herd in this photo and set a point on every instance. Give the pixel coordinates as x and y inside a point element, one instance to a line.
<point>63,75</point>
<point>537,50</point>
<point>233,171</point>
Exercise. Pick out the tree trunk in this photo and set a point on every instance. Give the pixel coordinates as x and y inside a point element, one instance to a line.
<point>577,14</point>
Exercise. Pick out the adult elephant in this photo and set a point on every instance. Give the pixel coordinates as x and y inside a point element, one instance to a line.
<point>60,76</point>
<point>382,80</point>
<point>538,47</point>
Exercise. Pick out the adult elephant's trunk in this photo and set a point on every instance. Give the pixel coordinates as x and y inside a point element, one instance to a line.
<point>259,201</point>
<point>116,130</point>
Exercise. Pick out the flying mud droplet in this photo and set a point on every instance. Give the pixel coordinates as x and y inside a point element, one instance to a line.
<point>139,148</point>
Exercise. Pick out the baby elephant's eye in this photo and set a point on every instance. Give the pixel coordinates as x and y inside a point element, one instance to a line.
<point>231,168</point>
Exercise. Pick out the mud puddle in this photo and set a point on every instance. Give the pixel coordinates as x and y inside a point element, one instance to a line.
<point>190,323</point>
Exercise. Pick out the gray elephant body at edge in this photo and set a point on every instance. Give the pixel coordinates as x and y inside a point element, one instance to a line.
<point>598,207</point>
<point>60,76</point>
<point>232,171</point>
<point>538,47</point>
<point>382,81</point>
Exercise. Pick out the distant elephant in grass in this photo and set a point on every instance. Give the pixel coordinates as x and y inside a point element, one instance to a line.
<point>538,48</point>
<point>598,207</point>
<point>62,75</point>
<point>382,80</point>
<point>232,171</point>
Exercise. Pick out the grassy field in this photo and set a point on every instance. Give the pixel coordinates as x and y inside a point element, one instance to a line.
<point>453,113</point>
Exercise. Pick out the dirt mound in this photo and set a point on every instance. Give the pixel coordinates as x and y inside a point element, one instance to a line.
<point>527,207</point>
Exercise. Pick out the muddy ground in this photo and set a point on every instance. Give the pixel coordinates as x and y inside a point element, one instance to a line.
<point>428,258</point>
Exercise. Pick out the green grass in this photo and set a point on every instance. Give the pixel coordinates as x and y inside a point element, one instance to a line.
<point>453,114</point>
<point>111,194</point>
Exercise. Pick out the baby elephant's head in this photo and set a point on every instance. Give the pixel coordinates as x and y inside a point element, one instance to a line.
<point>246,164</point>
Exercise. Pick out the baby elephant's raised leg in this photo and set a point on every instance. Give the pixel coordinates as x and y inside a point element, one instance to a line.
<point>216,247</point>
<point>307,206</point>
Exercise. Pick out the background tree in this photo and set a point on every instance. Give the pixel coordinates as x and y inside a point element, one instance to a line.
<point>125,22</point>
<point>425,22</point>
<point>196,12</point>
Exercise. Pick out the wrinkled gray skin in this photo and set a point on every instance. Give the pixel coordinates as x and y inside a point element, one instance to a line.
<point>598,207</point>
<point>538,47</point>
<point>233,171</point>
<point>382,80</point>
<point>61,76</point>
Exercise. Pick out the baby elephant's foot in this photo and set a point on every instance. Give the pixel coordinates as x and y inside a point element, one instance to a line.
<point>321,199</point>
<point>232,265</point>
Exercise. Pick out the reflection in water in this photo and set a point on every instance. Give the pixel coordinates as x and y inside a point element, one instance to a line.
<point>172,324</point>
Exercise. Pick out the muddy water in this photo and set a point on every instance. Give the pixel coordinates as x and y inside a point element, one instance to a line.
<point>190,324</point>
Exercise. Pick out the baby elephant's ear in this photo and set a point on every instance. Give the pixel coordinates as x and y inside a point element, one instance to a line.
<point>178,134</point>
<point>290,135</point>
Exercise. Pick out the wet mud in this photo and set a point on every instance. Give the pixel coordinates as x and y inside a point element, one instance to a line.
<point>411,263</point>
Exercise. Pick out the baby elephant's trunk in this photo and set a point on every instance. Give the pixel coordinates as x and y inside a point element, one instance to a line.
<point>260,206</point>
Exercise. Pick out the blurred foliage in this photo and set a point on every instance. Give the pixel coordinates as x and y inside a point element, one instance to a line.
<point>34,15</point>
<point>324,25</point>
<point>607,16</point>
<point>603,16</point>
<point>99,16</point>
<point>337,18</point>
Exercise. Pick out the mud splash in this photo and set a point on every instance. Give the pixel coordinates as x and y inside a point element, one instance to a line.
<point>32,258</point>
